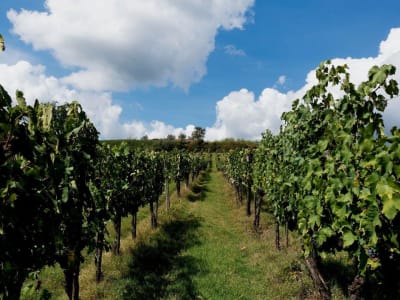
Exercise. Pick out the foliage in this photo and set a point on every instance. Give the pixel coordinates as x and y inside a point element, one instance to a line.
<point>182,143</point>
<point>27,205</point>
<point>46,207</point>
<point>2,44</point>
<point>59,187</point>
<point>332,169</point>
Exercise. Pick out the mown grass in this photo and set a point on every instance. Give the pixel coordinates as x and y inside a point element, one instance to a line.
<point>157,267</point>
<point>204,248</point>
<point>235,262</point>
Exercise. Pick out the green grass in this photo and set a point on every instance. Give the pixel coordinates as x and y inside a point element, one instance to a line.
<point>204,248</point>
<point>234,262</point>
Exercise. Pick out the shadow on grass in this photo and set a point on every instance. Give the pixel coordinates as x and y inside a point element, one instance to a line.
<point>157,270</point>
<point>341,273</point>
<point>199,188</point>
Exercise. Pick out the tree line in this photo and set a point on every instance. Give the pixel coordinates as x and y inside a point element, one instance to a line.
<point>188,144</point>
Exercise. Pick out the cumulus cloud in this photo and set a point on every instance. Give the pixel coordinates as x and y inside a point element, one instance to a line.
<point>232,50</point>
<point>159,129</point>
<point>122,44</point>
<point>125,44</point>
<point>33,81</point>
<point>241,115</point>
<point>12,55</point>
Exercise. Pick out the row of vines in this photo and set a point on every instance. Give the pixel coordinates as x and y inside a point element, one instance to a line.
<point>59,187</point>
<point>332,175</point>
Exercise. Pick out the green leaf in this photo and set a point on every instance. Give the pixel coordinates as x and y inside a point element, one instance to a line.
<point>12,198</point>
<point>377,75</point>
<point>392,89</point>
<point>369,222</point>
<point>391,205</point>
<point>73,185</point>
<point>346,198</point>
<point>65,194</point>
<point>324,234</point>
<point>369,164</point>
<point>5,99</point>
<point>367,145</point>
<point>348,239</point>
<point>322,144</point>
<point>372,179</point>
<point>314,220</point>
<point>364,194</point>
<point>384,189</point>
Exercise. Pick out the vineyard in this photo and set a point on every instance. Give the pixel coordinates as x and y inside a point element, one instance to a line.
<point>326,188</point>
<point>60,187</point>
<point>332,176</point>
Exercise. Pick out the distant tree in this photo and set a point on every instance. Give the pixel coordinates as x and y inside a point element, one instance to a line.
<point>182,136</point>
<point>144,138</point>
<point>170,137</point>
<point>198,133</point>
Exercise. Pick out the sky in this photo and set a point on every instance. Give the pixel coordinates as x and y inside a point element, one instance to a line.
<point>159,67</point>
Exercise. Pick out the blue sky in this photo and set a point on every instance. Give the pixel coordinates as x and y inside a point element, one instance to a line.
<point>237,56</point>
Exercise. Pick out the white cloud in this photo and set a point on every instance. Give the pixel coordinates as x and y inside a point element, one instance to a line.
<point>122,44</point>
<point>281,79</point>
<point>129,43</point>
<point>280,82</point>
<point>240,115</point>
<point>32,80</point>
<point>159,129</point>
<point>13,55</point>
<point>232,50</point>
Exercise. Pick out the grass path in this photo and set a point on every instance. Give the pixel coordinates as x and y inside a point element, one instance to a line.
<point>205,248</point>
<point>234,262</point>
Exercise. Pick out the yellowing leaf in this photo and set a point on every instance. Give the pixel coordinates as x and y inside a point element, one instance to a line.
<point>374,263</point>
<point>12,197</point>
<point>47,115</point>
<point>2,45</point>
<point>391,205</point>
